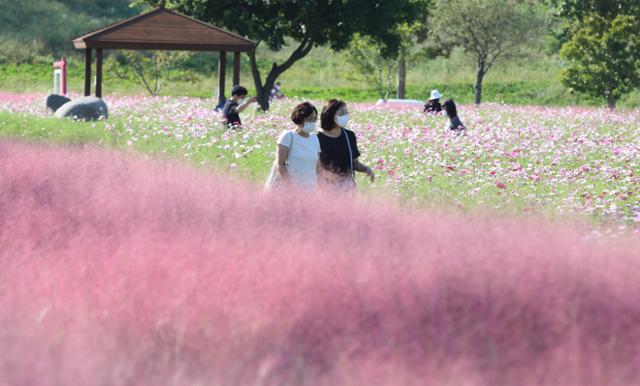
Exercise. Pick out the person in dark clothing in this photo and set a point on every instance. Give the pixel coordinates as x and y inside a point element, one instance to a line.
<point>276,92</point>
<point>235,105</point>
<point>433,105</point>
<point>455,123</point>
<point>339,148</point>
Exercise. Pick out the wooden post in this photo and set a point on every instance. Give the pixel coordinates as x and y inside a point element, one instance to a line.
<point>87,72</point>
<point>99,72</point>
<point>222,74</point>
<point>236,68</point>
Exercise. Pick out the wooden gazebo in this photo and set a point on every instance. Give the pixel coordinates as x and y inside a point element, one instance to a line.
<point>162,29</point>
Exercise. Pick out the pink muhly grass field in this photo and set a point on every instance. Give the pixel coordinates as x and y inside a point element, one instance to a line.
<point>115,270</point>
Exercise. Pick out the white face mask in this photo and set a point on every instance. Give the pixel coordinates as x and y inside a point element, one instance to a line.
<point>342,120</point>
<point>308,127</point>
<point>240,101</point>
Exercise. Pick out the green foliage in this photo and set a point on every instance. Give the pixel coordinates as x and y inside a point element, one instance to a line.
<point>324,22</point>
<point>574,13</point>
<point>148,67</point>
<point>325,75</point>
<point>310,23</point>
<point>413,39</point>
<point>32,28</point>
<point>15,51</point>
<point>366,56</point>
<point>488,30</point>
<point>602,47</point>
<point>604,58</point>
<point>579,10</point>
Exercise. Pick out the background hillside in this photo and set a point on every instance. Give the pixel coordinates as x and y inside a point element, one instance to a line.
<point>35,32</point>
<point>31,30</point>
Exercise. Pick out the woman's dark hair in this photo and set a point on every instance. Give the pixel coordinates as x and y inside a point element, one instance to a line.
<point>450,108</point>
<point>327,118</point>
<point>238,90</point>
<point>302,112</point>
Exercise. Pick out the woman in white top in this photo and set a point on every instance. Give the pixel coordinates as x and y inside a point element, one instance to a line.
<point>299,149</point>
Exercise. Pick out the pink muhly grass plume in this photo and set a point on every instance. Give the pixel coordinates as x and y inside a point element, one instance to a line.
<point>118,270</point>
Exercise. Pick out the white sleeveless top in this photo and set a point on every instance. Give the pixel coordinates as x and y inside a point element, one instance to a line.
<point>303,158</point>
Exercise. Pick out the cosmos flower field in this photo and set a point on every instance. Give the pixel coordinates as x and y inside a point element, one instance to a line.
<point>568,163</point>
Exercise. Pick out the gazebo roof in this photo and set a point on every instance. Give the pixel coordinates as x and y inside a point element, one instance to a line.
<point>163,29</point>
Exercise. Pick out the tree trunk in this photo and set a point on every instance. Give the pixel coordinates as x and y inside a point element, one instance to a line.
<point>611,102</point>
<point>389,79</point>
<point>257,81</point>
<point>402,74</point>
<point>479,78</point>
<point>139,70</point>
<point>263,91</point>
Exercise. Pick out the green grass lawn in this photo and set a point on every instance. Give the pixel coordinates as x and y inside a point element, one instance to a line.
<point>117,134</point>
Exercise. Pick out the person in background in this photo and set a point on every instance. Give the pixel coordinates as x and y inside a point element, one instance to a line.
<point>297,161</point>
<point>339,148</point>
<point>455,123</point>
<point>276,91</point>
<point>235,105</point>
<point>433,105</point>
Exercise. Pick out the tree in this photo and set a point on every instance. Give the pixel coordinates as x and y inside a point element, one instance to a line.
<point>578,10</point>
<point>410,36</point>
<point>601,47</point>
<point>148,67</point>
<point>574,12</point>
<point>366,56</point>
<point>488,30</point>
<point>604,57</point>
<point>309,23</point>
<point>377,67</point>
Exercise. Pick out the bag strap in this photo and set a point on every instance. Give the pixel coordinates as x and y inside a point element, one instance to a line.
<point>291,134</point>
<point>346,135</point>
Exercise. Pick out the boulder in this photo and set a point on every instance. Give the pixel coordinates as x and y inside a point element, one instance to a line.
<point>54,101</point>
<point>86,108</point>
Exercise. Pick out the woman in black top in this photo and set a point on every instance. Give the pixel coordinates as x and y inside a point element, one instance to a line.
<point>338,147</point>
<point>455,124</point>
